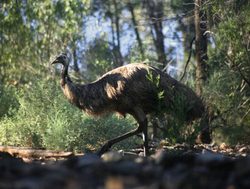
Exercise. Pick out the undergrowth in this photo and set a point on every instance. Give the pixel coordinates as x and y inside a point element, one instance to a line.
<point>44,119</point>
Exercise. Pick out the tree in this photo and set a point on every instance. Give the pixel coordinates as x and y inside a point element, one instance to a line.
<point>227,89</point>
<point>135,26</point>
<point>111,10</point>
<point>200,44</point>
<point>47,27</point>
<point>155,14</point>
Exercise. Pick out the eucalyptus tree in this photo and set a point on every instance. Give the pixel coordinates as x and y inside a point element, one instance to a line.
<point>155,12</point>
<point>201,43</point>
<point>110,10</point>
<point>131,7</point>
<point>33,31</point>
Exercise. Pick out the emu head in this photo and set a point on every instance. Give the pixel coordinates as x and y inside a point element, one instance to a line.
<point>61,59</point>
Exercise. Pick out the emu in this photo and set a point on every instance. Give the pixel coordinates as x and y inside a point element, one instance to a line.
<point>131,89</point>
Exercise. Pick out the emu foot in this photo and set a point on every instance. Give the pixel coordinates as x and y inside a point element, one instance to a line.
<point>104,149</point>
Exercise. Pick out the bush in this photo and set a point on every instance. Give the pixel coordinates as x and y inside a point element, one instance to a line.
<point>8,101</point>
<point>46,120</point>
<point>176,130</point>
<point>230,106</point>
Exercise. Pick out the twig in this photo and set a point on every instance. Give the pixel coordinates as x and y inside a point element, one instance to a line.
<point>245,115</point>
<point>239,70</point>
<point>188,60</point>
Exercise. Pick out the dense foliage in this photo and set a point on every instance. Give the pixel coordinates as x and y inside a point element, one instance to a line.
<point>45,119</point>
<point>228,89</point>
<point>102,35</point>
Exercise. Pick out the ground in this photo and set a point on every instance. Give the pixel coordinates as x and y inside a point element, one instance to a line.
<point>179,166</point>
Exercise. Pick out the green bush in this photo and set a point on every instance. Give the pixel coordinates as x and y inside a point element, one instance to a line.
<point>46,120</point>
<point>228,90</point>
<point>230,105</point>
<point>176,130</point>
<point>8,101</point>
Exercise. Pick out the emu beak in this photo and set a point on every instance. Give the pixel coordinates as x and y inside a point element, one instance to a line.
<point>55,62</point>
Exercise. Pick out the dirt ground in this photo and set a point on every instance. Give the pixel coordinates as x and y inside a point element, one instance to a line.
<point>179,166</point>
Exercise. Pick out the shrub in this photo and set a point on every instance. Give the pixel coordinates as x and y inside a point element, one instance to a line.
<point>8,101</point>
<point>231,106</point>
<point>46,120</point>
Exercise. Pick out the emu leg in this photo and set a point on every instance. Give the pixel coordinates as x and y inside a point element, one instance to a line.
<point>140,117</point>
<point>145,141</point>
<point>111,142</point>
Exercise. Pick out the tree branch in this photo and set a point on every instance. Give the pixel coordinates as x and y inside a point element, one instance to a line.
<point>188,60</point>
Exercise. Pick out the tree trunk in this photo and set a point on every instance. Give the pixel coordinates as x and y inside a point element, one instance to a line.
<point>138,38</point>
<point>117,48</point>
<point>201,60</point>
<point>155,11</point>
<point>75,66</point>
<point>200,45</point>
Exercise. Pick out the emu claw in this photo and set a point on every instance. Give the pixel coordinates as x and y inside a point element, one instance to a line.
<point>104,149</point>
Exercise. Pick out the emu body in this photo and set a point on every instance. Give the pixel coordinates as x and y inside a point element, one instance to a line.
<point>131,89</point>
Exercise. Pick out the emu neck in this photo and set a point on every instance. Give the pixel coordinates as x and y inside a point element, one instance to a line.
<point>64,75</point>
<point>71,91</point>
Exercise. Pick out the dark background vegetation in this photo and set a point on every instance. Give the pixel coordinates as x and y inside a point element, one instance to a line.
<point>104,34</point>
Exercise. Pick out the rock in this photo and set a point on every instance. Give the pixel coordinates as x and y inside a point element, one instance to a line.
<point>112,156</point>
<point>243,150</point>
<point>114,183</point>
<point>83,161</point>
<point>208,156</point>
<point>223,146</point>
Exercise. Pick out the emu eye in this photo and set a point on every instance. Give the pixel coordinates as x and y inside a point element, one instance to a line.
<point>64,58</point>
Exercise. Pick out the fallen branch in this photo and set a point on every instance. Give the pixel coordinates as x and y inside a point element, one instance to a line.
<point>34,153</point>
